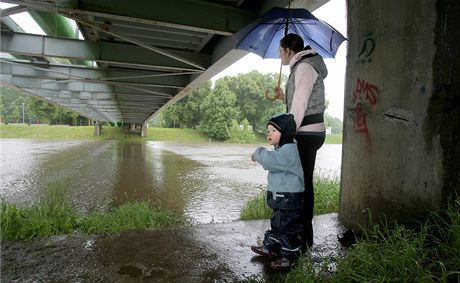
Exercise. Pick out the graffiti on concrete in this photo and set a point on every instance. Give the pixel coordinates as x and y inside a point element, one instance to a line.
<point>364,97</point>
<point>367,49</point>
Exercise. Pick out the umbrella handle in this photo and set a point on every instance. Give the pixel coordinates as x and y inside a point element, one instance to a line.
<point>271,98</point>
<point>268,97</point>
<point>274,97</point>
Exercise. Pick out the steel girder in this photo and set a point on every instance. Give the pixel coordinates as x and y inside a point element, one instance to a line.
<point>144,55</point>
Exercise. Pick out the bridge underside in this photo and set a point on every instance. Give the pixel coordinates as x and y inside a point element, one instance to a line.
<point>137,57</point>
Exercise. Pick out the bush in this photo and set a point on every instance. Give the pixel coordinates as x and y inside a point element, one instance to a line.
<point>241,133</point>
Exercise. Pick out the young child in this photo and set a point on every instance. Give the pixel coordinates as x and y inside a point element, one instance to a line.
<point>284,193</point>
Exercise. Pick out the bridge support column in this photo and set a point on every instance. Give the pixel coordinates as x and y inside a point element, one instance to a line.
<point>132,127</point>
<point>402,116</point>
<point>144,128</point>
<point>97,128</point>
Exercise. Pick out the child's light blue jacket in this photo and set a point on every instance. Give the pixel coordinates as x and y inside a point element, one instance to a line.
<point>285,174</point>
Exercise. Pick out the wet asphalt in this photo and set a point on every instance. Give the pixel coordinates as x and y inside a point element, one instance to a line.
<point>202,253</point>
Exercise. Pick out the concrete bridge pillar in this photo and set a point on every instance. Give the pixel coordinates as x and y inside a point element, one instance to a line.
<point>97,128</point>
<point>132,127</point>
<point>401,153</point>
<point>144,128</point>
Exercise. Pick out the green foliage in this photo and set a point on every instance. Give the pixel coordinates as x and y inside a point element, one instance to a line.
<point>11,105</point>
<point>326,200</point>
<point>335,124</point>
<point>108,133</point>
<point>251,102</point>
<point>257,207</point>
<point>11,110</point>
<point>53,215</point>
<point>392,252</point>
<point>133,215</point>
<point>327,189</point>
<point>241,133</point>
<point>218,110</point>
<point>333,139</point>
<point>186,113</point>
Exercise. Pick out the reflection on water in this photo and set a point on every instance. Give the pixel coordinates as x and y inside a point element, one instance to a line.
<point>206,183</point>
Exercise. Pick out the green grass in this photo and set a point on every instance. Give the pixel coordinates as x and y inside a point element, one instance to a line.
<point>333,139</point>
<point>326,199</point>
<point>133,215</point>
<point>256,208</point>
<point>45,132</point>
<point>53,215</point>
<point>426,250</point>
<point>418,251</point>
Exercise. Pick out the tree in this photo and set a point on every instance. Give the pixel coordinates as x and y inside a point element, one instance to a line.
<point>11,105</point>
<point>186,112</point>
<point>335,123</point>
<point>11,110</point>
<point>249,90</point>
<point>218,109</point>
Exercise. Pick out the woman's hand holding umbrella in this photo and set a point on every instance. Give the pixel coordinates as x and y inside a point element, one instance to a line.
<point>278,91</point>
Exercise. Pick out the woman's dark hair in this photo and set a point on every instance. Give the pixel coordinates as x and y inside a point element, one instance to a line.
<point>292,41</point>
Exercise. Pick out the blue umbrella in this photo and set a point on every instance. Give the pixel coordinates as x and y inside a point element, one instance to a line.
<point>262,37</point>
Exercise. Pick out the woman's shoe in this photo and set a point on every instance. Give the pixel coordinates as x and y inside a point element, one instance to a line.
<point>261,250</point>
<point>282,264</point>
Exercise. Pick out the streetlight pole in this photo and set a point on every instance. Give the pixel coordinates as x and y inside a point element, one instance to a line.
<point>23,112</point>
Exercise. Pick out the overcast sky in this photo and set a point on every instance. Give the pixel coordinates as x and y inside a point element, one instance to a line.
<point>334,13</point>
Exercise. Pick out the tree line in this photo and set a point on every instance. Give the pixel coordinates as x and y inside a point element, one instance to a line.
<point>234,108</point>
<point>233,100</point>
<point>17,107</point>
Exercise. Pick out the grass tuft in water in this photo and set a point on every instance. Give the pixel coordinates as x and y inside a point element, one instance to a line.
<point>257,207</point>
<point>53,215</point>
<point>132,215</point>
<point>326,199</point>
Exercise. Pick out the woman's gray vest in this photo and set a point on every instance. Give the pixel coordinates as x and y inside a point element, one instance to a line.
<point>316,103</point>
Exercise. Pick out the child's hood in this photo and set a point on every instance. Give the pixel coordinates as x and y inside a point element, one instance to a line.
<point>284,123</point>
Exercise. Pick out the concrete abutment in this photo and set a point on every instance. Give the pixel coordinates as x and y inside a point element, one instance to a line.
<point>401,150</point>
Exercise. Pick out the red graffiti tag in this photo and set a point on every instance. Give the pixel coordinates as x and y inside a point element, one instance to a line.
<point>368,90</point>
<point>364,93</point>
<point>359,119</point>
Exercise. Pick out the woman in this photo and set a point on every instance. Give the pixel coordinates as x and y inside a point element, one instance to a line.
<point>304,98</point>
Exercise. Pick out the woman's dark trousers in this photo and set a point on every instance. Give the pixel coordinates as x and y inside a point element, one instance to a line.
<point>308,145</point>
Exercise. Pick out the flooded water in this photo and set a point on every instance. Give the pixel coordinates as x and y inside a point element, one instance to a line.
<point>205,182</point>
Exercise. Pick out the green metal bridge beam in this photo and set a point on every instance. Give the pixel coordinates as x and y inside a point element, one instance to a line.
<point>123,54</point>
<point>220,19</point>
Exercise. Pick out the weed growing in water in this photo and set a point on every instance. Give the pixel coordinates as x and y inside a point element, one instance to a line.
<point>53,215</point>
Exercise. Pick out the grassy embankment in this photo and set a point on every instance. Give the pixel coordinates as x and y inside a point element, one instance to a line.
<point>45,132</point>
<point>425,250</point>
<point>53,215</point>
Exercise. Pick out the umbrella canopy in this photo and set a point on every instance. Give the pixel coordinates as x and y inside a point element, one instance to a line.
<point>263,36</point>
